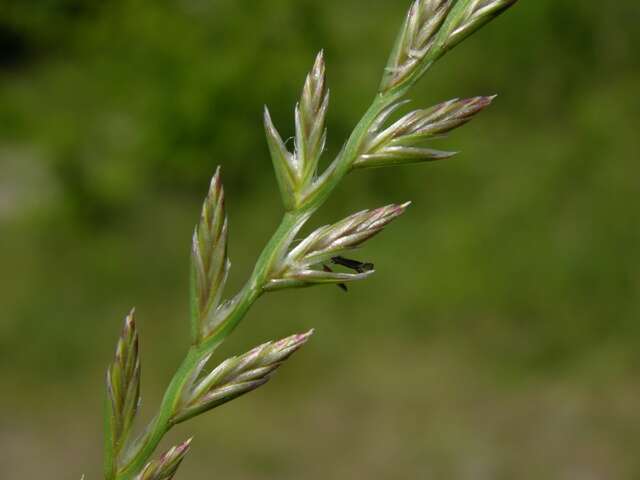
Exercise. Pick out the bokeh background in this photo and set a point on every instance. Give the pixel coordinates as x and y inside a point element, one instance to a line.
<point>498,340</point>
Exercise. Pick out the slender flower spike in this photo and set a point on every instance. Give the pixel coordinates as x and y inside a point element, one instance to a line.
<point>401,142</point>
<point>310,118</point>
<point>209,262</point>
<point>238,375</point>
<point>123,388</point>
<point>165,467</point>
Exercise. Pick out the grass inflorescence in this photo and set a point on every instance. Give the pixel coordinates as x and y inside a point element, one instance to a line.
<point>431,28</point>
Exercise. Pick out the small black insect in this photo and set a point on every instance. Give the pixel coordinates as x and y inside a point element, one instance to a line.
<point>360,267</point>
<point>356,265</point>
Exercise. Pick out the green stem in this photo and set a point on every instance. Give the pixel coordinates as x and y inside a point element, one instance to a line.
<point>277,245</point>
<point>162,422</point>
<point>343,163</point>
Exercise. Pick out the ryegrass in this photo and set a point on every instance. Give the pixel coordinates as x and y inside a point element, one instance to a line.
<point>432,28</point>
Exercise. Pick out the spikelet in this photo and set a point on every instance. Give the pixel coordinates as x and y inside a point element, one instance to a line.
<point>415,40</point>
<point>431,28</point>
<point>402,142</point>
<point>165,467</point>
<point>310,115</point>
<point>209,261</point>
<point>237,376</point>
<point>473,15</point>
<point>296,170</point>
<point>330,241</point>
<point>123,389</point>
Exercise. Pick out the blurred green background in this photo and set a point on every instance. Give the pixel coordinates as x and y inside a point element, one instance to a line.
<point>499,338</point>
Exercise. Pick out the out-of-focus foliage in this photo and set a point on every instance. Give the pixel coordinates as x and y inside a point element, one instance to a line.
<point>498,338</point>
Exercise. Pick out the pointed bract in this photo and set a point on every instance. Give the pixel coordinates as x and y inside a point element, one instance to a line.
<point>307,277</point>
<point>284,163</point>
<point>393,156</point>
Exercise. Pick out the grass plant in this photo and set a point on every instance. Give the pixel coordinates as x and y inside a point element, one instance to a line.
<point>430,30</point>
